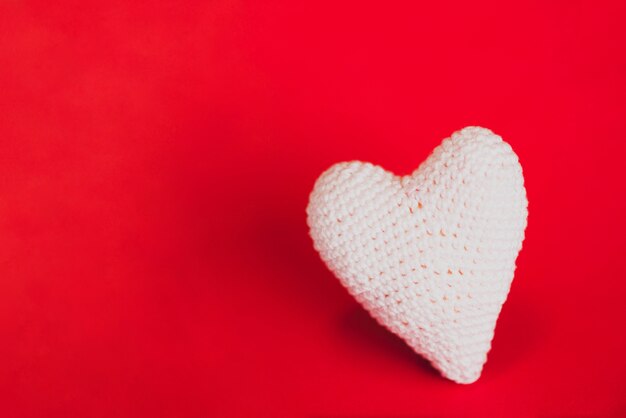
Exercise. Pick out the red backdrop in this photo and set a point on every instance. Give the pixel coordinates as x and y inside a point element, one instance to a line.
<point>156,160</point>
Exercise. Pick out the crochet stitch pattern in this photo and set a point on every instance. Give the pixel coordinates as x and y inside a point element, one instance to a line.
<point>431,256</point>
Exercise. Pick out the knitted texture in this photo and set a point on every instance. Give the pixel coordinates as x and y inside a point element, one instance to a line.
<point>431,256</point>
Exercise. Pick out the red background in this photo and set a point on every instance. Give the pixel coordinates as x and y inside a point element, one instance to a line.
<point>156,160</point>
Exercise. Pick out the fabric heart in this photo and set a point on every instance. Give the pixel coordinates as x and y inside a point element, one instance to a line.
<point>431,256</point>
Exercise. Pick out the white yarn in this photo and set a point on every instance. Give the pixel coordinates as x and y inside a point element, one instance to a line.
<point>431,256</point>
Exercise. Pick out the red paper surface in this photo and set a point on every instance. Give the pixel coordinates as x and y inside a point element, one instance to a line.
<point>155,164</point>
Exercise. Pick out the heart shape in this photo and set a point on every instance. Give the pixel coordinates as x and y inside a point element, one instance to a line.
<point>431,256</point>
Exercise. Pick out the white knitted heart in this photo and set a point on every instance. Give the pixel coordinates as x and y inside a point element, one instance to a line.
<point>431,256</point>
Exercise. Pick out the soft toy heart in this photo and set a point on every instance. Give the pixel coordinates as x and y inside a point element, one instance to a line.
<point>431,256</point>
